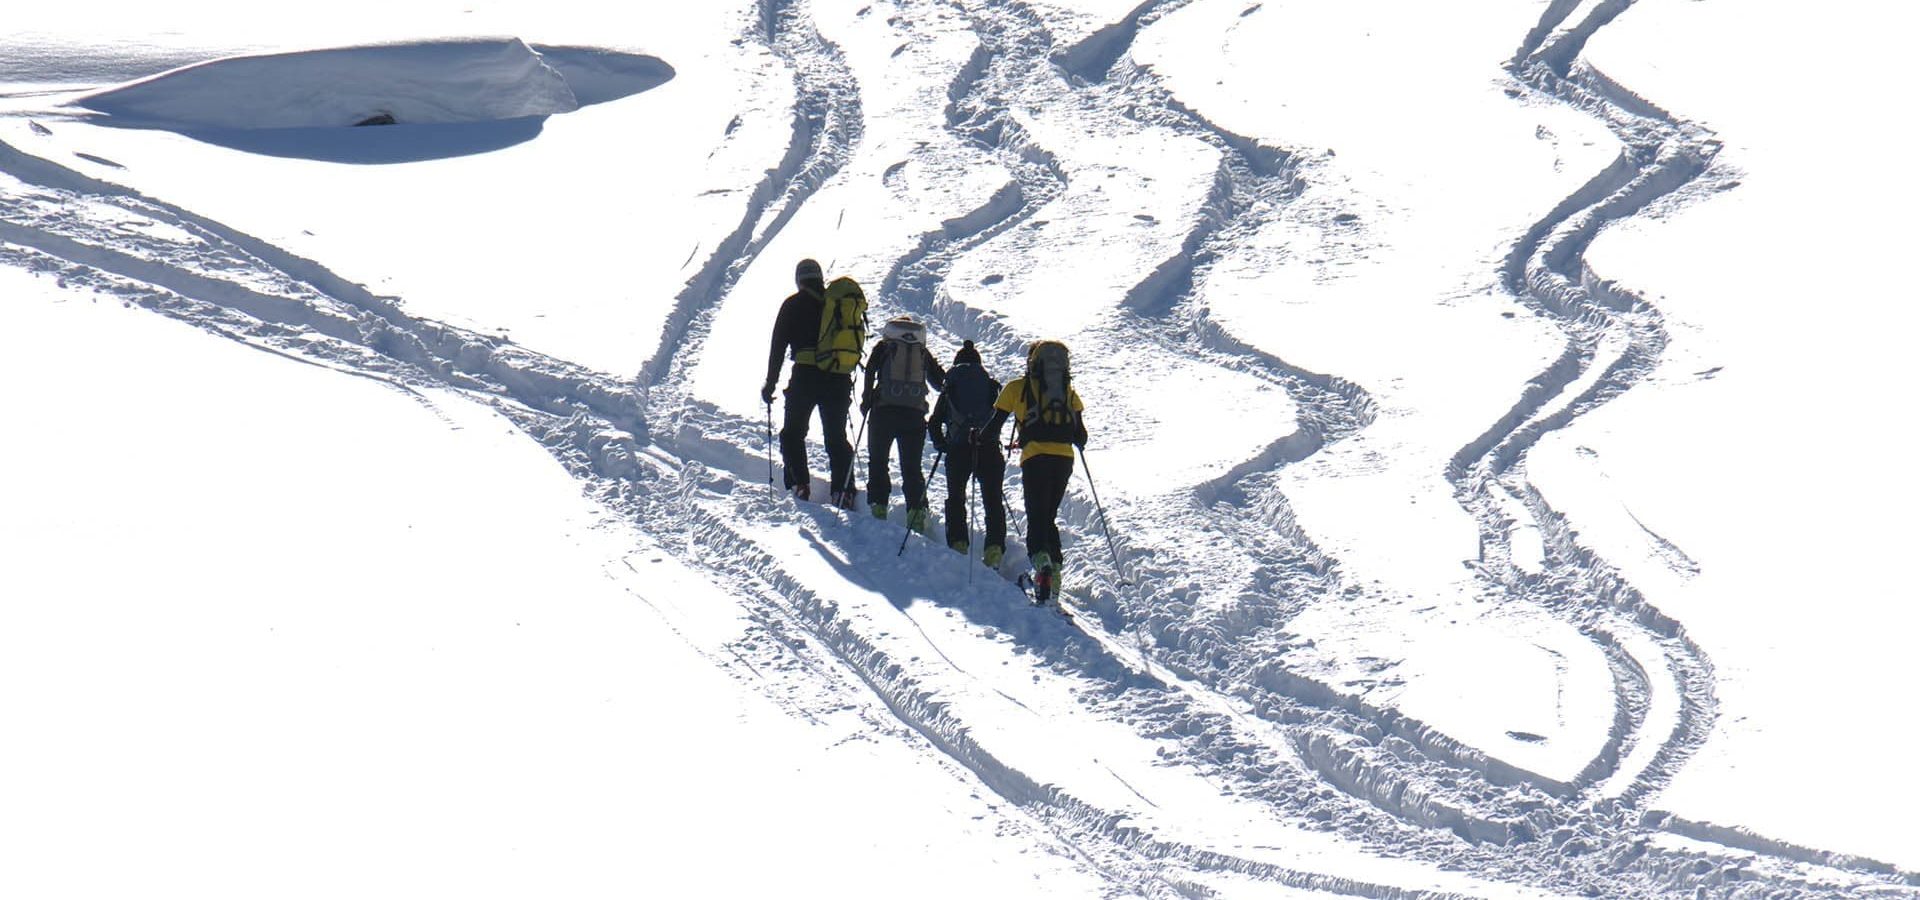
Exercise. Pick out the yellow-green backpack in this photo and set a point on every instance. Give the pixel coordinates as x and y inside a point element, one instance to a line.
<point>843,328</point>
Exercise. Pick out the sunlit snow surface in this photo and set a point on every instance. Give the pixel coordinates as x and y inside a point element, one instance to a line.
<point>1453,406</point>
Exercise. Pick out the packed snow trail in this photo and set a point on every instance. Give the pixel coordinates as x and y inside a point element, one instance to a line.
<point>826,125</point>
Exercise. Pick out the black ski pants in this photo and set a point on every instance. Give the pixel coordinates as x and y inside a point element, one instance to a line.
<point>888,427</point>
<point>967,461</point>
<point>1044,484</point>
<point>809,389</point>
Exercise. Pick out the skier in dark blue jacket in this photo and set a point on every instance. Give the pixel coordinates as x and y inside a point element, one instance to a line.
<point>962,426</point>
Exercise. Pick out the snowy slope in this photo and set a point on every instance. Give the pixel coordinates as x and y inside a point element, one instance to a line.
<point>1756,489</point>
<point>1379,337</point>
<point>458,689</point>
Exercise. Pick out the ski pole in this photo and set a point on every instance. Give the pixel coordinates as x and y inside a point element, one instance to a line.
<point>856,452</point>
<point>1104,529</point>
<point>936,468</point>
<point>769,443</point>
<point>973,499</point>
<point>1023,524</point>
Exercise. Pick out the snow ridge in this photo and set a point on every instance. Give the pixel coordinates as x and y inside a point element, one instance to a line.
<point>431,83</point>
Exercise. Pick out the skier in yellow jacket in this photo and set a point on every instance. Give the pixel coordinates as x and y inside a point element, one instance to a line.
<point>1046,413</point>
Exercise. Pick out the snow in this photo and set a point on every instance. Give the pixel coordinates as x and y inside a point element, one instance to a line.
<point>459,242</point>
<point>449,681</point>
<point>1753,490</point>
<point>1497,475</point>
<point>468,81</point>
<point>1429,217</point>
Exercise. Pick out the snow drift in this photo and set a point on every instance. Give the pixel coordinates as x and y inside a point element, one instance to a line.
<point>442,82</point>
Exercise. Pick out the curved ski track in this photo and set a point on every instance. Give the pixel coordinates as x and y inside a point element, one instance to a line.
<point>1206,679</point>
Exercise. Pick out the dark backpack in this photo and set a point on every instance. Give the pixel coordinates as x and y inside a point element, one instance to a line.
<point>1049,383</point>
<point>970,394</point>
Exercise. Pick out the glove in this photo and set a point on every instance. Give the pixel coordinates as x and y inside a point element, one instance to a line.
<point>766,393</point>
<point>866,400</point>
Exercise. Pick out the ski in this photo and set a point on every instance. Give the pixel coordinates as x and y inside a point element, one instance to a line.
<point>1026,585</point>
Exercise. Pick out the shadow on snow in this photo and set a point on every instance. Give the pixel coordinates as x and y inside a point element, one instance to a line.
<point>376,146</point>
<point>928,573</point>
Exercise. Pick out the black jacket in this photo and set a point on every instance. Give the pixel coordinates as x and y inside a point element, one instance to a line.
<point>937,424</point>
<point>796,328</point>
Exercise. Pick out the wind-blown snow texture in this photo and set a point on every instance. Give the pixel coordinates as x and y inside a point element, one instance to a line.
<point>1330,276</point>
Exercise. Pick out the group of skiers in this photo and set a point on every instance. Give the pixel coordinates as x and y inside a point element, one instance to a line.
<point>822,328</point>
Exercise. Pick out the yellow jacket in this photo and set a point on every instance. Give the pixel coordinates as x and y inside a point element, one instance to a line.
<point>1013,399</point>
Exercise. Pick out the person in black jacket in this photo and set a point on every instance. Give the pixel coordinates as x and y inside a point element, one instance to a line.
<point>795,331</point>
<point>959,428</point>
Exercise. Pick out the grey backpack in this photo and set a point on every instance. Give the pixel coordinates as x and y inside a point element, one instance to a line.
<point>901,375</point>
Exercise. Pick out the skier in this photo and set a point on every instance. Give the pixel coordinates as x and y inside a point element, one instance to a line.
<point>899,371</point>
<point>1046,412</point>
<point>817,324</point>
<point>959,428</point>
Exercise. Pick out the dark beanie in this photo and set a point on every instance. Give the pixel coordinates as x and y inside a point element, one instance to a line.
<point>807,274</point>
<point>966,354</point>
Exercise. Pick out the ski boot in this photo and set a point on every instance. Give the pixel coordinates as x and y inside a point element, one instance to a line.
<point>992,556</point>
<point>1042,577</point>
<point>879,510</point>
<point>917,519</point>
<point>845,499</point>
<point>800,491</point>
<point>959,547</point>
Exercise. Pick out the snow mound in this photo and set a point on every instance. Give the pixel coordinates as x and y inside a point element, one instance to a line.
<point>430,83</point>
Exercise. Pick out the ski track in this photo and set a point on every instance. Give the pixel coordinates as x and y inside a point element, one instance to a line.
<point>1207,680</point>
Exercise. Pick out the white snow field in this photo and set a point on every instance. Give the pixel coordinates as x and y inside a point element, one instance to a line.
<point>1494,411</point>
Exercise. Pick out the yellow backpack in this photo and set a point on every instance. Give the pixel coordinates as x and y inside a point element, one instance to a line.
<point>843,328</point>
<point>1048,384</point>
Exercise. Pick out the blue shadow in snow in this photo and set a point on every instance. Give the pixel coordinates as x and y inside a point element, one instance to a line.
<point>376,145</point>
<point>930,573</point>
